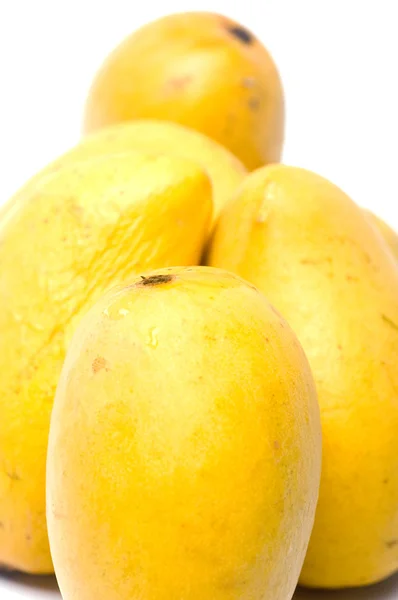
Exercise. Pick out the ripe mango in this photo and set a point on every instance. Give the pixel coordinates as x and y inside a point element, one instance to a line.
<point>201,70</point>
<point>185,446</point>
<point>319,260</point>
<point>66,239</point>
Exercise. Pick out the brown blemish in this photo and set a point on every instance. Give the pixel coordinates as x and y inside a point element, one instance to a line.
<point>99,363</point>
<point>351,277</point>
<point>242,34</point>
<point>13,475</point>
<point>272,307</point>
<point>248,82</point>
<point>392,543</point>
<point>277,445</point>
<point>389,322</point>
<point>58,516</point>
<point>179,83</point>
<point>309,261</point>
<point>385,481</point>
<point>155,279</point>
<point>1,525</point>
<point>28,537</point>
<point>253,103</point>
<point>212,338</point>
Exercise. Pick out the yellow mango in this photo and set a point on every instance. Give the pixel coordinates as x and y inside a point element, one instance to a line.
<point>65,241</point>
<point>185,446</point>
<point>314,253</point>
<point>202,70</point>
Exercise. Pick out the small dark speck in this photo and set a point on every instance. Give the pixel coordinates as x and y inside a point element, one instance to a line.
<point>351,277</point>
<point>339,347</point>
<point>277,445</point>
<point>13,476</point>
<point>210,337</point>
<point>253,103</point>
<point>1,525</point>
<point>385,481</point>
<point>392,543</point>
<point>242,34</point>
<point>389,322</point>
<point>28,537</point>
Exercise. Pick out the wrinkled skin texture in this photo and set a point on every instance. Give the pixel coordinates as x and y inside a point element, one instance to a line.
<point>159,137</point>
<point>319,260</point>
<point>63,242</point>
<point>201,70</point>
<point>185,445</point>
<point>387,232</point>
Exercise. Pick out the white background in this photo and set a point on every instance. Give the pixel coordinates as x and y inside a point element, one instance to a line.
<point>338,61</point>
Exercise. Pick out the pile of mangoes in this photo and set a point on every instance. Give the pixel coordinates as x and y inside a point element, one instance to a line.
<point>198,345</point>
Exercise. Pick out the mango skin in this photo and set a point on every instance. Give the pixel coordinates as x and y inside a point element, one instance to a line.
<point>185,446</point>
<point>314,253</point>
<point>199,69</point>
<point>159,137</point>
<point>387,232</point>
<point>62,244</point>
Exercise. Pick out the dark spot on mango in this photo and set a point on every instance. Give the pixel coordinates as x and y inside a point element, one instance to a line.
<point>179,83</point>
<point>212,338</point>
<point>242,34</point>
<point>254,104</point>
<point>392,543</point>
<point>155,280</point>
<point>99,363</point>
<point>277,445</point>
<point>1,525</point>
<point>13,475</point>
<point>351,277</point>
<point>389,322</point>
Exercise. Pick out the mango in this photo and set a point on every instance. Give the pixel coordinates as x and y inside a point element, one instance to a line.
<point>199,69</point>
<point>185,445</point>
<point>314,253</point>
<point>64,241</point>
